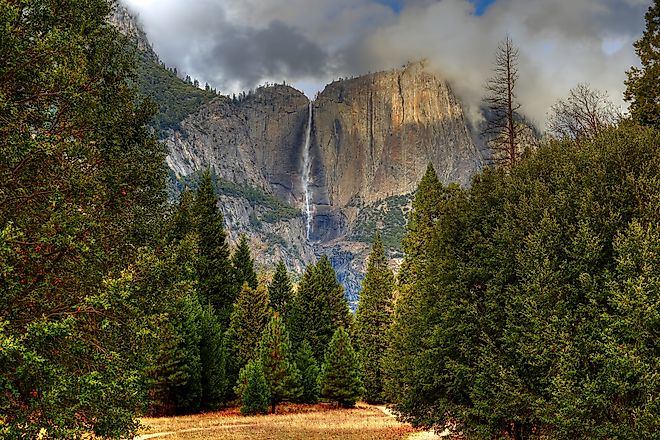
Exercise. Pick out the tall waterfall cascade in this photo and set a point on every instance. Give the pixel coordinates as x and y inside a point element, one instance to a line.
<point>307,173</point>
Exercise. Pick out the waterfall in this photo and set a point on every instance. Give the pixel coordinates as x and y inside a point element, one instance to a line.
<point>307,172</point>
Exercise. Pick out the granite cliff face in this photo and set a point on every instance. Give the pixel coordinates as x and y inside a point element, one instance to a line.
<point>371,140</point>
<point>377,133</point>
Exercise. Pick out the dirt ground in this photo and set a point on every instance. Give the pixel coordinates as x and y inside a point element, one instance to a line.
<point>292,422</point>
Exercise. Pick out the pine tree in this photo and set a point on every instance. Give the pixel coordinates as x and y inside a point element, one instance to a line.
<point>407,329</point>
<point>176,375</point>
<point>309,372</point>
<point>249,318</point>
<point>643,85</point>
<point>213,359</point>
<point>332,292</point>
<point>214,266</point>
<point>181,220</point>
<point>281,372</point>
<point>319,307</point>
<point>425,206</point>
<point>280,290</point>
<point>255,396</point>
<point>243,264</point>
<point>373,320</point>
<point>339,380</point>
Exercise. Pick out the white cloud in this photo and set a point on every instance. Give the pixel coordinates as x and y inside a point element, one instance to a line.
<point>241,43</point>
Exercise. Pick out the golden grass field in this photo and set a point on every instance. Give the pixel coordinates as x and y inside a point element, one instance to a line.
<point>292,422</point>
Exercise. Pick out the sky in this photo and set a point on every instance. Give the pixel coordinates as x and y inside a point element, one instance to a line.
<point>236,45</point>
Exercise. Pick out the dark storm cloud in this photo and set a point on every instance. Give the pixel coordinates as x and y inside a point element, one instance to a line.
<point>277,51</point>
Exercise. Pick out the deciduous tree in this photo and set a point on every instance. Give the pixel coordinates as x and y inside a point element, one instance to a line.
<point>81,190</point>
<point>583,115</point>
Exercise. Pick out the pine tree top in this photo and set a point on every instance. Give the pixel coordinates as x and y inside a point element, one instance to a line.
<point>280,289</point>
<point>243,264</point>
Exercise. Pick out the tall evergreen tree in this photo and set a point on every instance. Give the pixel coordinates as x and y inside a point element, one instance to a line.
<point>181,220</point>
<point>213,358</point>
<point>243,264</point>
<point>214,266</point>
<point>643,84</point>
<point>319,307</point>
<point>176,373</point>
<point>373,320</point>
<point>309,372</point>
<point>407,329</point>
<point>248,320</point>
<point>81,190</point>
<point>280,290</point>
<point>339,380</point>
<point>281,372</point>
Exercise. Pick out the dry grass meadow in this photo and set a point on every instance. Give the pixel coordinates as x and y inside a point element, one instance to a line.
<point>292,422</point>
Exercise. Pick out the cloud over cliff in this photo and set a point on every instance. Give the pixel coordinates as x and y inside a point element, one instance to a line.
<point>237,44</point>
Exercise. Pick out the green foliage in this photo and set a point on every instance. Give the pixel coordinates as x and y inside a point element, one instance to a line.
<point>243,264</point>
<point>373,321</point>
<point>174,364</point>
<point>181,218</point>
<point>643,85</point>
<point>185,382</point>
<point>339,380</point>
<point>213,358</point>
<point>281,372</point>
<point>319,307</point>
<point>271,209</point>
<point>387,216</point>
<point>280,290</point>
<point>267,207</point>
<point>81,190</point>
<point>174,97</point>
<point>248,320</point>
<point>309,373</point>
<point>538,302</point>
<point>255,396</point>
<point>214,265</point>
<point>407,329</point>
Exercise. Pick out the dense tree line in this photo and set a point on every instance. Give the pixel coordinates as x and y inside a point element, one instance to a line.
<point>534,310</point>
<point>526,306</point>
<point>113,302</point>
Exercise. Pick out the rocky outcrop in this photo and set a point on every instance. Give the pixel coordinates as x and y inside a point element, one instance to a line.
<point>256,140</point>
<point>127,23</point>
<point>371,140</point>
<point>377,133</point>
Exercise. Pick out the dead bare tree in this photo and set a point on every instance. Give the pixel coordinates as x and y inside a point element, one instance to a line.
<point>501,129</point>
<point>582,115</point>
